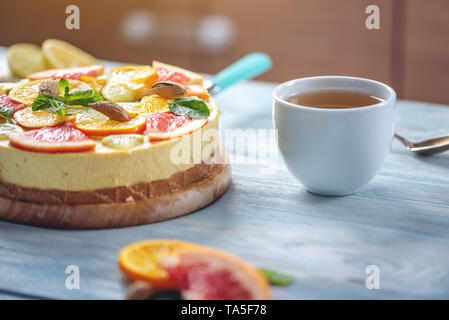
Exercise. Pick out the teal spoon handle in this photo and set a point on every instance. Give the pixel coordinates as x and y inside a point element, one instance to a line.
<point>248,67</point>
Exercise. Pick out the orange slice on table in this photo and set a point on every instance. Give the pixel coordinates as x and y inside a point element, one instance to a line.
<point>129,83</point>
<point>96,124</point>
<point>140,260</point>
<point>198,272</point>
<point>215,275</point>
<point>37,119</point>
<point>26,91</point>
<point>60,54</point>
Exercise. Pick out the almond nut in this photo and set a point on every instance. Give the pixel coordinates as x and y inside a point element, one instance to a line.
<point>49,86</point>
<point>111,110</point>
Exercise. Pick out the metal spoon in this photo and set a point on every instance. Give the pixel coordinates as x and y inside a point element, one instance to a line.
<point>426,147</point>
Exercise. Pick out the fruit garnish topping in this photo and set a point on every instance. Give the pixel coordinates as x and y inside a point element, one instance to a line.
<point>129,83</point>
<point>70,73</point>
<point>6,128</point>
<point>133,108</point>
<point>191,107</point>
<point>8,107</point>
<point>140,260</point>
<point>169,89</point>
<point>168,72</point>
<point>6,114</point>
<point>167,75</point>
<point>153,103</point>
<point>37,119</point>
<point>96,83</point>
<point>58,104</point>
<point>112,110</point>
<point>123,141</point>
<point>96,124</point>
<point>6,87</point>
<point>197,91</point>
<point>60,54</point>
<point>27,91</point>
<point>25,59</point>
<point>61,138</point>
<point>49,86</point>
<point>165,126</point>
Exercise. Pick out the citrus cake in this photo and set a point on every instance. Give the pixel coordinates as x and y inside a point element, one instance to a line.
<point>81,148</point>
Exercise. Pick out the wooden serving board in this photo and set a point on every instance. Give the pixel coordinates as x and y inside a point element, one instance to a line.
<point>114,215</point>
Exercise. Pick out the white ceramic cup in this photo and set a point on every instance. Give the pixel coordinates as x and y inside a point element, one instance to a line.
<point>334,152</point>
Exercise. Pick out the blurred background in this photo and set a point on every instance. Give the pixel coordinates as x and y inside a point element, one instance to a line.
<point>304,37</point>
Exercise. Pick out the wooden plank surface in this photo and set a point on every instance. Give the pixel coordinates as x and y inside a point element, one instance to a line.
<point>399,222</point>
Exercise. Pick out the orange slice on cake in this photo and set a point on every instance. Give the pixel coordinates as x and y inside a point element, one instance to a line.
<point>37,119</point>
<point>26,91</point>
<point>95,124</point>
<point>129,83</point>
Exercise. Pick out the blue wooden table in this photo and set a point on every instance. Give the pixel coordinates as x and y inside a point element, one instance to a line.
<point>399,223</point>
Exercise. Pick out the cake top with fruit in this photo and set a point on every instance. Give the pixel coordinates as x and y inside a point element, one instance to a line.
<point>59,123</point>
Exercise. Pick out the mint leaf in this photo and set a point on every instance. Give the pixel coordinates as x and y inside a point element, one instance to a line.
<point>58,107</point>
<point>191,107</point>
<point>49,102</point>
<point>276,278</point>
<point>6,113</point>
<point>63,85</point>
<point>82,98</point>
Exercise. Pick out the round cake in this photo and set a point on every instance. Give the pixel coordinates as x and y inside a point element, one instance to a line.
<point>81,149</point>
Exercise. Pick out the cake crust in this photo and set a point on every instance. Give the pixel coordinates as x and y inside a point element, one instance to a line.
<point>120,214</point>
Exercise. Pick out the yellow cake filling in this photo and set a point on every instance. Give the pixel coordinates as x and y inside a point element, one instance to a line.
<point>105,167</point>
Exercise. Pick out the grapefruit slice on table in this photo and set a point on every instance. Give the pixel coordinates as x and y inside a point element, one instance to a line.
<point>70,73</point>
<point>140,261</point>
<point>211,274</point>
<point>61,138</point>
<point>167,125</point>
<point>96,124</point>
